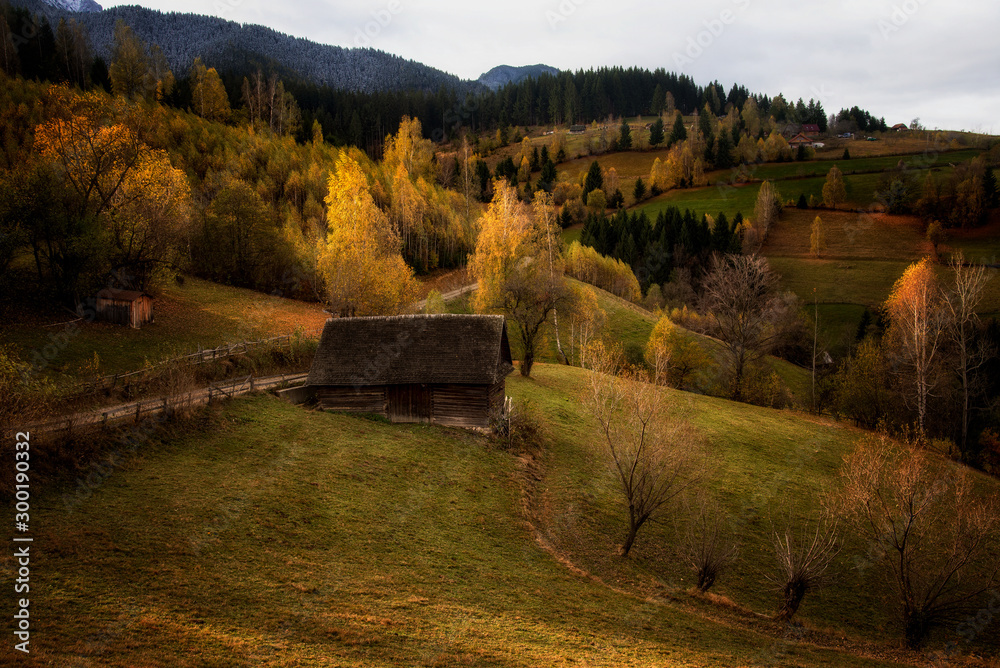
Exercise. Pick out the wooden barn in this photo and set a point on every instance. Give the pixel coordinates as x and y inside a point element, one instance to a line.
<point>441,369</point>
<point>124,307</point>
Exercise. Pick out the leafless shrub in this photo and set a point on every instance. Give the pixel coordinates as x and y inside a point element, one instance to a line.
<point>654,453</point>
<point>936,536</point>
<point>708,545</point>
<point>804,559</point>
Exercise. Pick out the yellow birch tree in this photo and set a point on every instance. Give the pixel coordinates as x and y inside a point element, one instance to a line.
<point>360,260</point>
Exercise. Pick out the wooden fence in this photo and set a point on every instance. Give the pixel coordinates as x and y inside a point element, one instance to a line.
<point>112,381</point>
<point>136,412</point>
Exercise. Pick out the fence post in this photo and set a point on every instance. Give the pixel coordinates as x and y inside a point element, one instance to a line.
<point>104,422</point>
<point>138,408</point>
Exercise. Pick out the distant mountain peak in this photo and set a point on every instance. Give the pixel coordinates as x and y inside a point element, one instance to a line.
<point>501,75</point>
<point>74,5</point>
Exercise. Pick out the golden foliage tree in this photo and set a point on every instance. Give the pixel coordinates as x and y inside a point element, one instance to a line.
<point>817,238</point>
<point>918,319</point>
<point>513,263</point>
<point>360,260</point>
<point>766,210</point>
<point>673,354</point>
<point>585,264</point>
<point>834,190</point>
<point>585,322</point>
<point>129,63</point>
<point>409,148</point>
<point>208,96</point>
<point>150,225</point>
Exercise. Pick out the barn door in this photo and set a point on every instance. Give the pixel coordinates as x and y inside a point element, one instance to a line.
<point>409,403</point>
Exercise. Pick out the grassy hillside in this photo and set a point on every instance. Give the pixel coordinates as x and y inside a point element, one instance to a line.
<point>263,534</point>
<point>197,313</point>
<point>629,326</point>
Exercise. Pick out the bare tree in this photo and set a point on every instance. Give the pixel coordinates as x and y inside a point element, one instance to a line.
<point>708,545</point>
<point>653,452</point>
<point>740,291</point>
<point>962,299</point>
<point>936,537</point>
<point>804,559</point>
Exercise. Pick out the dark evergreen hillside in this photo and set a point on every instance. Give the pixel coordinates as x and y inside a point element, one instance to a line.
<point>221,43</point>
<point>358,96</point>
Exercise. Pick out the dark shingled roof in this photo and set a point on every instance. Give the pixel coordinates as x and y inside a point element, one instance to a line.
<point>395,350</point>
<point>120,295</point>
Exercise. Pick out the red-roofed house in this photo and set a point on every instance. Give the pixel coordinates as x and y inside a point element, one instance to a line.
<point>809,129</point>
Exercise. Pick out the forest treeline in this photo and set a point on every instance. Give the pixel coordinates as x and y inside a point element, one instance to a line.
<point>360,95</point>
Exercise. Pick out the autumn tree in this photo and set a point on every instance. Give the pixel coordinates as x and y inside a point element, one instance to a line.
<point>150,225</point>
<point>409,148</point>
<point>512,265</point>
<point>160,73</point>
<point>817,239</point>
<point>269,105</point>
<point>239,240</point>
<point>918,318</point>
<point>654,454</point>
<point>962,297</point>
<point>741,292</point>
<point>360,259</point>
<point>934,534</point>
<point>935,235</point>
<point>862,385</point>
<point>129,63</point>
<point>673,354</point>
<point>765,213</point>
<point>88,161</point>
<point>586,318</point>
<point>208,96</point>
<point>834,191</point>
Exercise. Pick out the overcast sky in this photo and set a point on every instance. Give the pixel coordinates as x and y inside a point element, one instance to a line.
<point>932,59</point>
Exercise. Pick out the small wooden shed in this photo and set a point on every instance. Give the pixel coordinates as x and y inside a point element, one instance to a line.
<point>441,369</point>
<point>124,307</point>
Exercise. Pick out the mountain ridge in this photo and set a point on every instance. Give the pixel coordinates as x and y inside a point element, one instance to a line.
<point>501,75</point>
<point>226,44</point>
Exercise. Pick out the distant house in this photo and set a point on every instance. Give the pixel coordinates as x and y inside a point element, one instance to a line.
<point>577,129</point>
<point>440,369</point>
<point>809,129</point>
<point>900,127</point>
<point>124,307</point>
<point>800,140</point>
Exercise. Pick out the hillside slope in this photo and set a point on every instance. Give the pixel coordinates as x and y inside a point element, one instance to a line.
<point>265,534</point>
